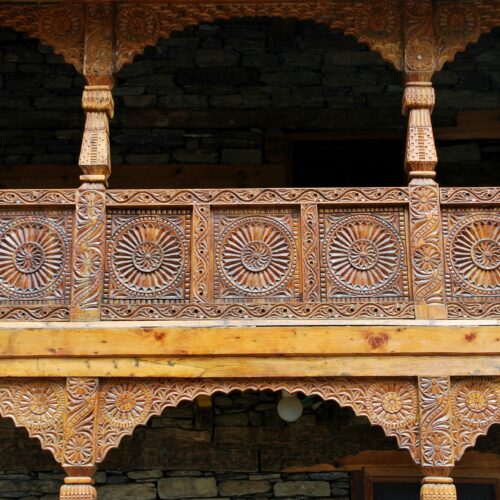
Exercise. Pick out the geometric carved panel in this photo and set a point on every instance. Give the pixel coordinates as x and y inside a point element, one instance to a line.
<point>472,241</point>
<point>147,256</point>
<point>34,257</point>
<point>256,255</point>
<point>363,254</point>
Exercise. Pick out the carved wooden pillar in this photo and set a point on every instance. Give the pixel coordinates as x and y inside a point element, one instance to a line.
<point>95,163</point>
<point>436,438</point>
<point>79,443</point>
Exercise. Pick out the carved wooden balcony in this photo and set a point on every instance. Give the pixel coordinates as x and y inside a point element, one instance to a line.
<point>256,254</point>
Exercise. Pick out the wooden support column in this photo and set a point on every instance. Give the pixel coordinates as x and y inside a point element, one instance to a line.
<point>95,163</point>
<point>79,443</point>
<point>436,438</point>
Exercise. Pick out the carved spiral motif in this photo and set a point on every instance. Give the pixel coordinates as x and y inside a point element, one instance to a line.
<point>38,404</point>
<point>126,405</point>
<point>148,256</point>
<point>393,404</point>
<point>363,254</point>
<point>476,401</point>
<point>137,24</point>
<point>474,253</point>
<point>457,23</point>
<point>33,255</point>
<point>63,24</point>
<point>256,255</point>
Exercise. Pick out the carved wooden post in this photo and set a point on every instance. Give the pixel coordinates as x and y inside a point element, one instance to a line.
<point>426,246</point>
<point>79,444</point>
<point>97,103</point>
<point>436,438</point>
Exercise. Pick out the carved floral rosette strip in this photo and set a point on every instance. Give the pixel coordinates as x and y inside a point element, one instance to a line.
<point>309,225</point>
<point>140,25</point>
<point>436,431</point>
<point>80,422</point>
<point>386,195</point>
<point>88,252</point>
<point>426,248</point>
<point>37,405</point>
<point>400,310</point>
<point>470,196</point>
<point>127,403</point>
<point>476,407</point>
<point>200,267</point>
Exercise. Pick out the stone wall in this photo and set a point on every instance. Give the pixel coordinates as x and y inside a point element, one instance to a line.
<point>230,92</point>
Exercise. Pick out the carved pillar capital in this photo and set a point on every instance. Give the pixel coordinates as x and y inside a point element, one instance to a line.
<point>438,488</point>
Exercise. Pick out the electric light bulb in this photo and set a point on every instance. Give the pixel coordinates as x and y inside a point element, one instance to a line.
<point>289,407</point>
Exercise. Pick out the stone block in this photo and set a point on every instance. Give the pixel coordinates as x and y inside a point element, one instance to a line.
<point>187,487</point>
<point>145,474</point>
<point>235,488</point>
<point>302,488</point>
<point>218,76</point>
<point>291,78</point>
<point>216,58</point>
<point>142,491</point>
<point>234,156</point>
<point>139,101</point>
<point>349,79</point>
<point>353,58</point>
<point>301,60</point>
<point>183,101</point>
<point>196,156</point>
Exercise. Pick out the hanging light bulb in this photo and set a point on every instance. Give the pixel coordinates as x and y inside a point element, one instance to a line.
<point>289,408</point>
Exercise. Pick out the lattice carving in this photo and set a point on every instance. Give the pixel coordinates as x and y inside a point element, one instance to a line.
<point>126,403</point>
<point>436,431</point>
<point>476,407</point>
<point>363,254</point>
<point>139,25</point>
<point>37,405</point>
<point>148,256</point>
<point>386,196</point>
<point>88,252</point>
<point>426,247</point>
<point>256,255</point>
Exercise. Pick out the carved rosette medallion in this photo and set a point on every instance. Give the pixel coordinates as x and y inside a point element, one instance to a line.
<point>392,404</point>
<point>363,254</point>
<point>137,24</point>
<point>457,23</point>
<point>380,26</point>
<point>62,24</point>
<point>476,401</point>
<point>33,256</point>
<point>473,252</point>
<point>126,404</point>
<point>39,404</point>
<point>147,257</point>
<point>256,256</point>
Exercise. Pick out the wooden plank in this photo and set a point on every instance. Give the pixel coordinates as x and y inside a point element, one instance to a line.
<point>151,339</point>
<point>268,367</point>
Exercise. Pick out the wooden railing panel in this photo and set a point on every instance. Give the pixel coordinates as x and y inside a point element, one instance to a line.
<point>268,254</point>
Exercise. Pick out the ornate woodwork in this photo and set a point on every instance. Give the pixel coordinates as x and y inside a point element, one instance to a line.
<point>248,253</point>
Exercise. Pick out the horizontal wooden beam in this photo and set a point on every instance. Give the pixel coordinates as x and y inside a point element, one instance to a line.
<point>255,366</point>
<point>160,339</point>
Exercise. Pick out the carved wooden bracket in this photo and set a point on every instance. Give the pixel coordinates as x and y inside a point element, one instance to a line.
<point>80,419</point>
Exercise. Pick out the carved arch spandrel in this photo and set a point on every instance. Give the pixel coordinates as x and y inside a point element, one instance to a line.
<point>38,405</point>
<point>458,24</point>
<point>61,26</point>
<point>379,26</point>
<point>126,403</point>
<point>475,403</point>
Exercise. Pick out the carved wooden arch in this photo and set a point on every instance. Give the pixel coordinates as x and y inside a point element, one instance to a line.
<point>62,27</point>
<point>141,25</point>
<point>80,419</point>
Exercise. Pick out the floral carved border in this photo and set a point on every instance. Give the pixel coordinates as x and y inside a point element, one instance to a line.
<point>127,403</point>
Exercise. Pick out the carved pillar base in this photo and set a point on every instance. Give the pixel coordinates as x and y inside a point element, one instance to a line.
<point>438,488</point>
<point>78,488</point>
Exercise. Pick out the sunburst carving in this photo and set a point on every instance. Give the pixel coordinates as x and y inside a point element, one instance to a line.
<point>256,256</point>
<point>148,256</point>
<point>33,255</point>
<point>363,254</point>
<point>474,254</point>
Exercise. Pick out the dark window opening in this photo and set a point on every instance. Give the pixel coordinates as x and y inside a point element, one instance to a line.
<point>345,163</point>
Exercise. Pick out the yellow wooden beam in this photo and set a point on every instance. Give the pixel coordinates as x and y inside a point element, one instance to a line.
<point>255,366</point>
<point>161,339</point>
